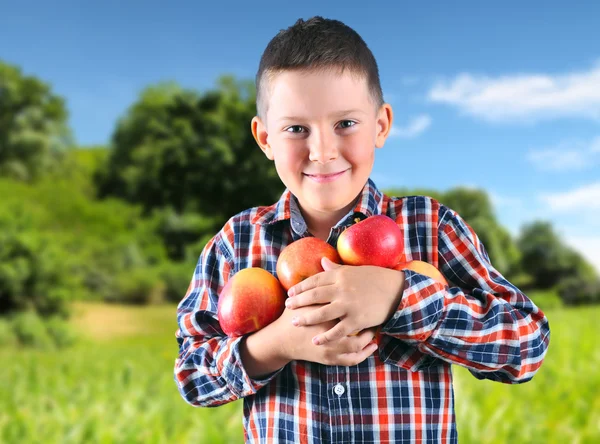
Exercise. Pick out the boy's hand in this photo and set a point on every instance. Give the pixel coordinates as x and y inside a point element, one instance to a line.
<point>297,342</point>
<point>359,296</point>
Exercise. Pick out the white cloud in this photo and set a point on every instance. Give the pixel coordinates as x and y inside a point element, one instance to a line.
<point>574,155</point>
<point>523,97</point>
<point>585,198</point>
<point>413,128</point>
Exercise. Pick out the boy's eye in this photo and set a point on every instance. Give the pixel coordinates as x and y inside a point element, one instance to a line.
<point>297,129</point>
<point>347,123</point>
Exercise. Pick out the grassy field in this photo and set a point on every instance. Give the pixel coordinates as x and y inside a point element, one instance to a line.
<point>116,385</point>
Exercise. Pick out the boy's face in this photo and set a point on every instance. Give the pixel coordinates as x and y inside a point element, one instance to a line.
<point>321,130</point>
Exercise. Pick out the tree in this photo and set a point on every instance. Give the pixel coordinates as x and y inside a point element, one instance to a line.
<point>33,125</point>
<point>32,272</point>
<point>191,152</point>
<point>548,260</point>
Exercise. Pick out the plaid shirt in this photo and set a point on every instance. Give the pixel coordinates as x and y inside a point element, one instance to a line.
<point>401,393</point>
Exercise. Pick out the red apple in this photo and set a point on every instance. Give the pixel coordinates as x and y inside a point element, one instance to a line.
<point>376,240</point>
<point>251,300</point>
<point>423,268</point>
<point>302,259</point>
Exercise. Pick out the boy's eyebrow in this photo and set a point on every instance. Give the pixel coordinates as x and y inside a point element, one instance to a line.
<point>335,114</point>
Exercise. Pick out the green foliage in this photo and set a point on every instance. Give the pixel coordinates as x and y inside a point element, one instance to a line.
<point>576,290</point>
<point>400,192</point>
<point>176,277</point>
<point>546,299</point>
<point>551,263</point>
<point>59,244</point>
<point>138,286</point>
<point>78,168</point>
<point>32,271</point>
<point>191,152</point>
<point>184,235</point>
<point>7,334</point>
<point>60,331</point>
<point>33,125</point>
<point>470,203</point>
<point>31,330</point>
<point>543,254</point>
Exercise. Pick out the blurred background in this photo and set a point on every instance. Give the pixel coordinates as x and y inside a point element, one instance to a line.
<point>125,145</point>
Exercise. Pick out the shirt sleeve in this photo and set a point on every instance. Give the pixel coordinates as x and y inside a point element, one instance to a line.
<point>484,323</point>
<point>209,370</point>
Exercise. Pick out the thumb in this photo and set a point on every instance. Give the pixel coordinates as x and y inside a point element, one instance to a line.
<point>328,264</point>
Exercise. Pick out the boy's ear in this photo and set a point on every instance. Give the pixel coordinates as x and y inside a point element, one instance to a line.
<point>259,131</point>
<point>385,118</point>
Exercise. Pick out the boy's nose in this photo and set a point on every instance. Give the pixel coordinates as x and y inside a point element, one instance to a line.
<point>323,149</point>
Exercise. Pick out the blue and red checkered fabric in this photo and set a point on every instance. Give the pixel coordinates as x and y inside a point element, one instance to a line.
<point>403,392</point>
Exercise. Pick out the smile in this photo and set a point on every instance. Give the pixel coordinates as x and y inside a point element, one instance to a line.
<point>322,178</point>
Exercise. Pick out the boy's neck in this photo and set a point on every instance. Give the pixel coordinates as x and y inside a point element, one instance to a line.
<point>319,224</point>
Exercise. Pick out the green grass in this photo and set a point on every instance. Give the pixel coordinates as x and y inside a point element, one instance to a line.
<point>116,385</point>
<point>113,389</point>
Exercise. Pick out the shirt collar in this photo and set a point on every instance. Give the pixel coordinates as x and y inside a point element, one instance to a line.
<point>369,203</point>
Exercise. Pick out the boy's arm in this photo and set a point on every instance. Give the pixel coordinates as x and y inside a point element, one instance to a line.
<point>485,324</point>
<point>209,370</point>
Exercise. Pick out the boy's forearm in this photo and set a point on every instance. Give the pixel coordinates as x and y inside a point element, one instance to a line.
<point>262,352</point>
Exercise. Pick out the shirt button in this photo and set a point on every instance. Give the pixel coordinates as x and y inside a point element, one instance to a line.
<point>339,389</point>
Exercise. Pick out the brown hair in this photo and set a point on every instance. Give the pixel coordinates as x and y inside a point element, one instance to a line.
<point>317,43</point>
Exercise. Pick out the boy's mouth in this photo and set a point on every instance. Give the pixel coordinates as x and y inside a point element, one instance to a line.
<point>325,177</point>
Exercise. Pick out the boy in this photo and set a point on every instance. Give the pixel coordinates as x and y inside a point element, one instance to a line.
<point>304,378</point>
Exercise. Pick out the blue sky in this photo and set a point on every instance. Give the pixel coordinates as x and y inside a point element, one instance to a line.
<point>504,97</point>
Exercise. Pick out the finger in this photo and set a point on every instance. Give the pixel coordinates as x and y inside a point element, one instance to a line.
<point>314,281</point>
<point>327,312</point>
<point>356,358</point>
<point>320,295</point>
<point>328,264</point>
<point>368,334</point>
<point>339,331</point>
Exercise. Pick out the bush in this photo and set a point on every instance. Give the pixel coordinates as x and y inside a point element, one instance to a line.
<point>545,299</point>
<point>28,329</point>
<point>177,277</point>
<point>7,335</point>
<point>31,331</point>
<point>61,332</point>
<point>578,291</point>
<point>139,286</point>
<point>181,232</point>
<point>33,273</point>
<point>53,249</point>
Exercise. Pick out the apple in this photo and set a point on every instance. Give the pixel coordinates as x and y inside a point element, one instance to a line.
<point>251,300</point>
<point>423,268</point>
<point>302,259</point>
<point>376,240</point>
